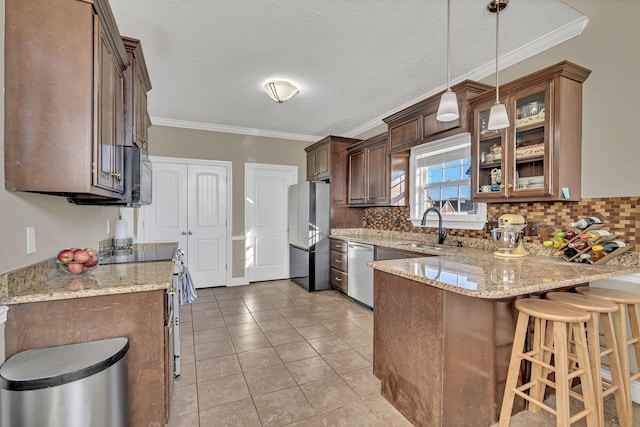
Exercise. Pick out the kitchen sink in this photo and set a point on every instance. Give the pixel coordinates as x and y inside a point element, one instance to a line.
<point>422,246</point>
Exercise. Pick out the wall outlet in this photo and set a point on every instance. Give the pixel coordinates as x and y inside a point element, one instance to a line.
<point>533,229</point>
<point>31,240</point>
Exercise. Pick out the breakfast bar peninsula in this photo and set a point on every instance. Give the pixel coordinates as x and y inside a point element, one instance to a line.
<point>444,326</point>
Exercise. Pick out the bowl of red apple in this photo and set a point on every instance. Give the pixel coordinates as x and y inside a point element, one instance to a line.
<point>77,261</point>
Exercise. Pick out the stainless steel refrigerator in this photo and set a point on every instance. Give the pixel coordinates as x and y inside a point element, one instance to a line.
<point>308,230</point>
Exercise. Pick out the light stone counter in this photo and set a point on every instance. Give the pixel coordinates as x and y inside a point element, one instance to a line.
<point>478,273</point>
<point>46,282</point>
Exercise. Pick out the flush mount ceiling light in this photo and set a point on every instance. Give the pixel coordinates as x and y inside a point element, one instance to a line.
<point>498,118</point>
<point>448,108</point>
<point>280,90</point>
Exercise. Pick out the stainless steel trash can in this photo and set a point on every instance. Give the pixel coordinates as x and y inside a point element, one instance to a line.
<point>75,385</point>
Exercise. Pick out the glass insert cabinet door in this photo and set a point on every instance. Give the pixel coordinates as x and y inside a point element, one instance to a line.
<point>531,154</point>
<point>490,157</point>
<point>514,162</point>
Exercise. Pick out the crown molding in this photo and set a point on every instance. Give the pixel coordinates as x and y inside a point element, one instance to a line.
<point>161,121</point>
<point>534,47</point>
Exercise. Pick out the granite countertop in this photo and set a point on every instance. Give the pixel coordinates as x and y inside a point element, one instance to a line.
<point>478,273</point>
<point>45,281</point>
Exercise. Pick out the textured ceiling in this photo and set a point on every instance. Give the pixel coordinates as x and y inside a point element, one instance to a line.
<point>355,61</point>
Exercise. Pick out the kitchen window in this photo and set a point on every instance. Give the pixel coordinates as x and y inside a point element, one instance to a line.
<point>441,178</point>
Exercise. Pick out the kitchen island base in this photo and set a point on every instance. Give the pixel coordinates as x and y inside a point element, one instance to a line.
<point>442,357</point>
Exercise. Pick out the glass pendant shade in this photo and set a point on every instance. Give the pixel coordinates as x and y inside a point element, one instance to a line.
<point>498,118</point>
<point>448,108</point>
<point>280,90</point>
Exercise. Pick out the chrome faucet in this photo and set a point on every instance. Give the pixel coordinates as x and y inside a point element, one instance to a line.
<point>442,232</point>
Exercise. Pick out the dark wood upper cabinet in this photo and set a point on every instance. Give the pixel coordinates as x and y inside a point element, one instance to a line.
<point>136,86</point>
<point>64,98</point>
<point>417,124</point>
<point>319,160</point>
<point>327,159</point>
<point>377,178</point>
<point>538,157</point>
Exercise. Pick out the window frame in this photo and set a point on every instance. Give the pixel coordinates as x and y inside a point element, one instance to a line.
<point>464,222</point>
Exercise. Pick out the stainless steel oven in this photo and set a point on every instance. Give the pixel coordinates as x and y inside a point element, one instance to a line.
<point>174,308</point>
<point>158,252</point>
<point>141,175</point>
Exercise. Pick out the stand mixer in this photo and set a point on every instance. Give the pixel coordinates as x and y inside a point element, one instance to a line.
<point>507,237</point>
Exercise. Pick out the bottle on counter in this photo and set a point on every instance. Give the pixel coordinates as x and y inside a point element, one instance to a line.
<point>608,247</point>
<point>594,235</point>
<point>583,223</point>
<point>595,254</point>
<point>579,244</point>
<point>570,234</point>
<point>583,258</point>
<point>554,242</point>
<point>570,252</point>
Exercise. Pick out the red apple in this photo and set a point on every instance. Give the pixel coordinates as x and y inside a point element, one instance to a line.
<point>91,263</point>
<point>65,255</point>
<point>81,256</point>
<point>75,268</point>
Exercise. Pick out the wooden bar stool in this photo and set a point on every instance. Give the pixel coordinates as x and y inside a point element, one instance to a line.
<point>627,303</point>
<point>560,318</point>
<point>599,308</point>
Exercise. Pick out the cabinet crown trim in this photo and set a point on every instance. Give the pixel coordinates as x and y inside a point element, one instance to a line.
<point>328,139</point>
<point>565,69</point>
<point>135,47</point>
<point>467,89</point>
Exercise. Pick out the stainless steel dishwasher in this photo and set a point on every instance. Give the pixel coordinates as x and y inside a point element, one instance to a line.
<point>360,274</point>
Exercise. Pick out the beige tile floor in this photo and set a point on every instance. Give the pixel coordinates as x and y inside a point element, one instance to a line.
<point>271,354</point>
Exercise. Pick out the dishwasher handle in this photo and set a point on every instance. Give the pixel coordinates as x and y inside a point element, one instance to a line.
<point>361,246</point>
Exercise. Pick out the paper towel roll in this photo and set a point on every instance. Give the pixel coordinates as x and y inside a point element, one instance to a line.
<point>121,229</point>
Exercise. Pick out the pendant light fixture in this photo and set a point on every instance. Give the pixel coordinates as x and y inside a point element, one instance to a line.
<point>280,90</point>
<point>448,108</point>
<point>498,118</point>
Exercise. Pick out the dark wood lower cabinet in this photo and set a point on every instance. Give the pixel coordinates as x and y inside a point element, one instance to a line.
<point>339,272</point>
<point>442,357</point>
<point>139,316</point>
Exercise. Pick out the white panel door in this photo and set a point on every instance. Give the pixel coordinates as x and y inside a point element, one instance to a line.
<point>207,243</point>
<point>266,214</point>
<point>165,220</point>
<point>190,207</point>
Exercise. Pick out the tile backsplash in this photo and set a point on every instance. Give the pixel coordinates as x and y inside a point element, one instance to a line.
<point>622,213</point>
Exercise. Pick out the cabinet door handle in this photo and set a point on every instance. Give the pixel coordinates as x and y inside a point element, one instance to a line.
<point>338,279</point>
<point>184,233</point>
<point>339,261</point>
<point>190,233</point>
<point>116,175</point>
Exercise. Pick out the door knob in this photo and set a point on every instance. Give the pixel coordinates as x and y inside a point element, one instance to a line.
<point>190,233</point>
<point>184,233</point>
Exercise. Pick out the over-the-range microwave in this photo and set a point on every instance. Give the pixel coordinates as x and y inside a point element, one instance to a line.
<point>137,182</point>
